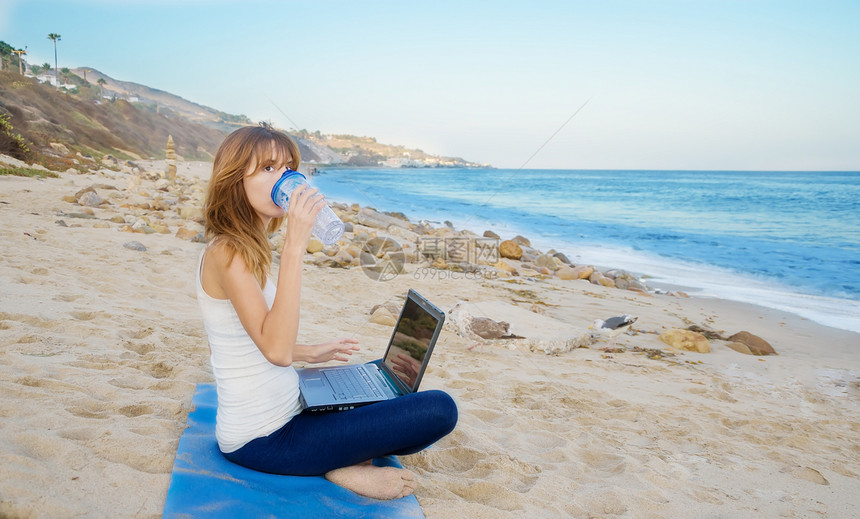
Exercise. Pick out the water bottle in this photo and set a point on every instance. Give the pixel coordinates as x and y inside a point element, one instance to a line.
<point>328,227</point>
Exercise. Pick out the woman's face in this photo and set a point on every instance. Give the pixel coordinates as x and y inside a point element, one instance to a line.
<point>259,181</point>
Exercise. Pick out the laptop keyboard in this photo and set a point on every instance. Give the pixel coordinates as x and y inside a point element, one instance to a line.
<point>348,384</point>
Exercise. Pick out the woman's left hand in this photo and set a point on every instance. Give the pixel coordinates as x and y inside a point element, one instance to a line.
<point>339,350</point>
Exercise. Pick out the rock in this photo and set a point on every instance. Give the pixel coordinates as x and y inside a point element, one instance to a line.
<point>562,257</point>
<point>134,245</point>
<point>686,340</point>
<point>677,293</point>
<point>380,246</point>
<point>355,208</point>
<point>440,264</point>
<point>491,234</point>
<point>637,286</point>
<point>347,226</point>
<point>739,347</point>
<point>756,344</point>
<point>88,189</point>
<point>161,228</point>
<point>117,219</point>
<point>344,259</point>
<point>522,241</point>
<point>392,307</point>
<point>547,261</point>
<point>371,218</point>
<point>707,332</point>
<point>510,249</point>
<point>101,225</point>
<point>597,278</point>
<point>90,199</point>
<point>190,212</point>
<point>567,273</point>
<point>59,148</point>
<point>505,266</point>
<point>314,245</point>
<point>353,251</point>
<point>584,272</point>
<point>185,233</point>
<point>383,316</point>
<point>70,199</point>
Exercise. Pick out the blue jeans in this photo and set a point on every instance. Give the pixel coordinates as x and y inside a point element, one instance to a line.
<point>312,444</point>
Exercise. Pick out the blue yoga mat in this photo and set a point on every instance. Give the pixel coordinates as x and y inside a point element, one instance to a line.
<point>205,484</point>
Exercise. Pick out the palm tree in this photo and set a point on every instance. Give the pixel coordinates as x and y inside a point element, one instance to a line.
<point>55,37</point>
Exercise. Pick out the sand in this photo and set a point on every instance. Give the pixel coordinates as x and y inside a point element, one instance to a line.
<point>101,347</point>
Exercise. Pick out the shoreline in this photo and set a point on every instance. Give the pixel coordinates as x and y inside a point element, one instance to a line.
<point>703,279</point>
<point>101,345</point>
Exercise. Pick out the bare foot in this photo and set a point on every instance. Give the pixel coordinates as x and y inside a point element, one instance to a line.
<point>372,481</point>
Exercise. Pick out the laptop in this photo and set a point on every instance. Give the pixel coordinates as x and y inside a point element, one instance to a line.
<point>397,373</point>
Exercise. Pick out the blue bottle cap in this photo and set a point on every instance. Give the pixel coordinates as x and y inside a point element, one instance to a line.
<point>287,174</point>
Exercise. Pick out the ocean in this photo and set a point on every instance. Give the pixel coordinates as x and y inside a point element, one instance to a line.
<point>785,240</point>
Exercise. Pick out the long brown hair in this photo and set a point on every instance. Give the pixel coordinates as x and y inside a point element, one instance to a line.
<point>228,214</point>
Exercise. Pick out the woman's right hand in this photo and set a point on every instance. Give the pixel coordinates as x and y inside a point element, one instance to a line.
<point>305,203</point>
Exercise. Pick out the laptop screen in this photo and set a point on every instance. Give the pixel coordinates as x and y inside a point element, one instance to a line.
<point>410,343</point>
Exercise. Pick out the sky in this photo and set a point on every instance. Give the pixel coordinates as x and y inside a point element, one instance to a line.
<point>657,84</point>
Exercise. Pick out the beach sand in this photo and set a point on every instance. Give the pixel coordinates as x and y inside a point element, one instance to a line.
<point>101,347</point>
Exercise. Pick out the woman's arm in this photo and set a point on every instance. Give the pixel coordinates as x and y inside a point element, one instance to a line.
<point>273,331</point>
<point>335,350</point>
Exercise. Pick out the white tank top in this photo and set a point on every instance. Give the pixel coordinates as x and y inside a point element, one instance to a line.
<point>255,397</point>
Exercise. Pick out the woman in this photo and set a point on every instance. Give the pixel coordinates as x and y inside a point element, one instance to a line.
<point>253,324</point>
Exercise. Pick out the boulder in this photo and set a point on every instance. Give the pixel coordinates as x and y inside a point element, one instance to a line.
<point>190,212</point>
<point>739,347</point>
<point>562,257</point>
<point>383,316</point>
<point>392,307</point>
<point>90,199</point>
<point>756,344</point>
<point>686,340</point>
<point>491,234</point>
<point>597,278</point>
<point>510,249</point>
<point>584,272</point>
<point>185,233</point>
<point>521,240</point>
<point>566,273</point>
<point>371,218</point>
<point>314,245</point>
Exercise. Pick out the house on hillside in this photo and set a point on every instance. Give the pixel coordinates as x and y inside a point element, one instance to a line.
<point>50,78</point>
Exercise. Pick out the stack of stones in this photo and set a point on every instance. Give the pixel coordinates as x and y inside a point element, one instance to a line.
<point>171,159</point>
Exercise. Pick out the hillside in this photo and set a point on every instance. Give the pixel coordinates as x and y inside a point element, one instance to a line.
<point>43,114</point>
<point>98,115</point>
<point>136,93</point>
